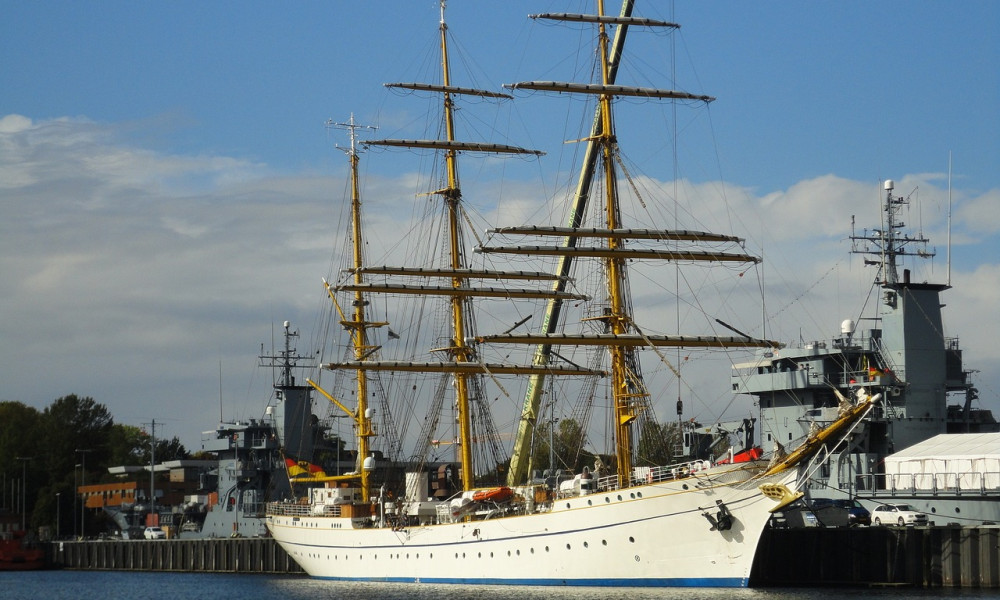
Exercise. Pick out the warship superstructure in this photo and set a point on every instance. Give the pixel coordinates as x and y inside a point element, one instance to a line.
<point>901,351</point>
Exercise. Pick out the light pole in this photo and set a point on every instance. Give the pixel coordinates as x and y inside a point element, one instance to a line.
<point>58,501</point>
<point>75,492</point>
<point>24,488</point>
<point>83,483</point>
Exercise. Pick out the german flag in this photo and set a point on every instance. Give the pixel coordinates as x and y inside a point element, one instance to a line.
<point>303,469</point>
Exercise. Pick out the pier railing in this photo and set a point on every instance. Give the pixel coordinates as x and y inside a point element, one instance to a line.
<point>932,483</point>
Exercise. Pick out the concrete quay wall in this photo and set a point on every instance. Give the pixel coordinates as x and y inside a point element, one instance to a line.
<point>221,555</point>
<point>967,557</point>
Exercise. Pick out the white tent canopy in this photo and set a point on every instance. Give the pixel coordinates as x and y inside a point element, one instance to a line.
<point>963,461</point>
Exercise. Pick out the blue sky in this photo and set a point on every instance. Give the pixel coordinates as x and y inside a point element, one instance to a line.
<point>164,166</point>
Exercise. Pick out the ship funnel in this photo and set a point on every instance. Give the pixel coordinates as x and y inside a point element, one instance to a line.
<point>847,327</point>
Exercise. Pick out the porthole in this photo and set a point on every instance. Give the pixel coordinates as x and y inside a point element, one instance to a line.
<point>568,547</point>
<point>638,494</point>
<point>619,497</point>
<point>632,495</point>
<point>508,553</point>
<point>631,539</point>
<point>586,545</point>
<point>518,552</point>
<point>607,500</point>
<point>685,486</point>
<point>567,505</point>
<point>479,555</point>
<point>604,542</point>
<point>532,550</point>
<point>590,502</point>
<point>546,548</point>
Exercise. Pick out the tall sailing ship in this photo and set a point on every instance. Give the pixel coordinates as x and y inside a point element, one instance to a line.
<point>480,517</point>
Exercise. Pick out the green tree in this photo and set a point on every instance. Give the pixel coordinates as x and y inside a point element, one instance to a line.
<point>19,439</point>
<point>567,441</point>
<point>656,443</point>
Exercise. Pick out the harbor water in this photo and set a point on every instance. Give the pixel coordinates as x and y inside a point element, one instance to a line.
<point>116,585</point>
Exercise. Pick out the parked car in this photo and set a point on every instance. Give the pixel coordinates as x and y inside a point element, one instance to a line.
<point>898,514</point>
<point>154,533</point>
<point>841,512</point>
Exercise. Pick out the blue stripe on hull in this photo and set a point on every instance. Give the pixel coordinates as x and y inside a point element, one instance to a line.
<point>718,582</point>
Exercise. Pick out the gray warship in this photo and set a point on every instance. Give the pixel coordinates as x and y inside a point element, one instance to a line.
<point>928,397</point>
<point>252,456</point>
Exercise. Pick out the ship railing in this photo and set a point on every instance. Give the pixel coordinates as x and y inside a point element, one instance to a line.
<point>647,475</point>
<point>956,483</point>
<point>296,509</point>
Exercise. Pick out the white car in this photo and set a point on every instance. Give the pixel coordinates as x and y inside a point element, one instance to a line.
<point>897,514</point>
<point>154,533</point>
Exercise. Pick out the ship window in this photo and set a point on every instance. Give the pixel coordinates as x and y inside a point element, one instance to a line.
<point>568,547</point>
<point>491,555</point>
<point>590,502</point>
<point>479,555</point>
<point>604,542</point>
<point>546,548</point>
<point>638,494</point>
<point>607,500</point>
<point>518,552</point>
<point>789,436</point>
<point>586,545</point>
<point>619,497</point>
<point>631,539</point>
<point>532,550</point>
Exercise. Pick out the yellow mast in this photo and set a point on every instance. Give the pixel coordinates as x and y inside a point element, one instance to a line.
<point>452,195</point>
<point>359,325</point>
<point>621,336</point>
<point>618,320</point>
<point>360,333</point>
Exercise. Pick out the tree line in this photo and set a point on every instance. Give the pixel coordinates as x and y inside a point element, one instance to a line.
<point>45,455</point>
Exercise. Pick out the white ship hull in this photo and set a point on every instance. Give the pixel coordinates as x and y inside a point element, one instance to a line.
<point>650,535</point>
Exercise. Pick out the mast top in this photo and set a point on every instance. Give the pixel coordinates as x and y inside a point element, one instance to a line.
<point>888,242</point>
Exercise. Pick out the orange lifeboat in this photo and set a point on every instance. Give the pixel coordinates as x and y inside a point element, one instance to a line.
<point>500,494</point>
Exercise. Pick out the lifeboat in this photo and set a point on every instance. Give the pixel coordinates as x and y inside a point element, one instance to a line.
<point>500,494</point>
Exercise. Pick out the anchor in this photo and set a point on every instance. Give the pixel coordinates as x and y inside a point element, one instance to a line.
<point>722,520</point>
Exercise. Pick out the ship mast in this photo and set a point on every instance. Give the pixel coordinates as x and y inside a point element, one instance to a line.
<point>889,244</point>
<point>359,325</point>
<point>463,362</point>
<point>622,338</point>
<point>521,452</point>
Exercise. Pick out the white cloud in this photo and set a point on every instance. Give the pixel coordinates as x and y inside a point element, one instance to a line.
<point>129,274</point>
